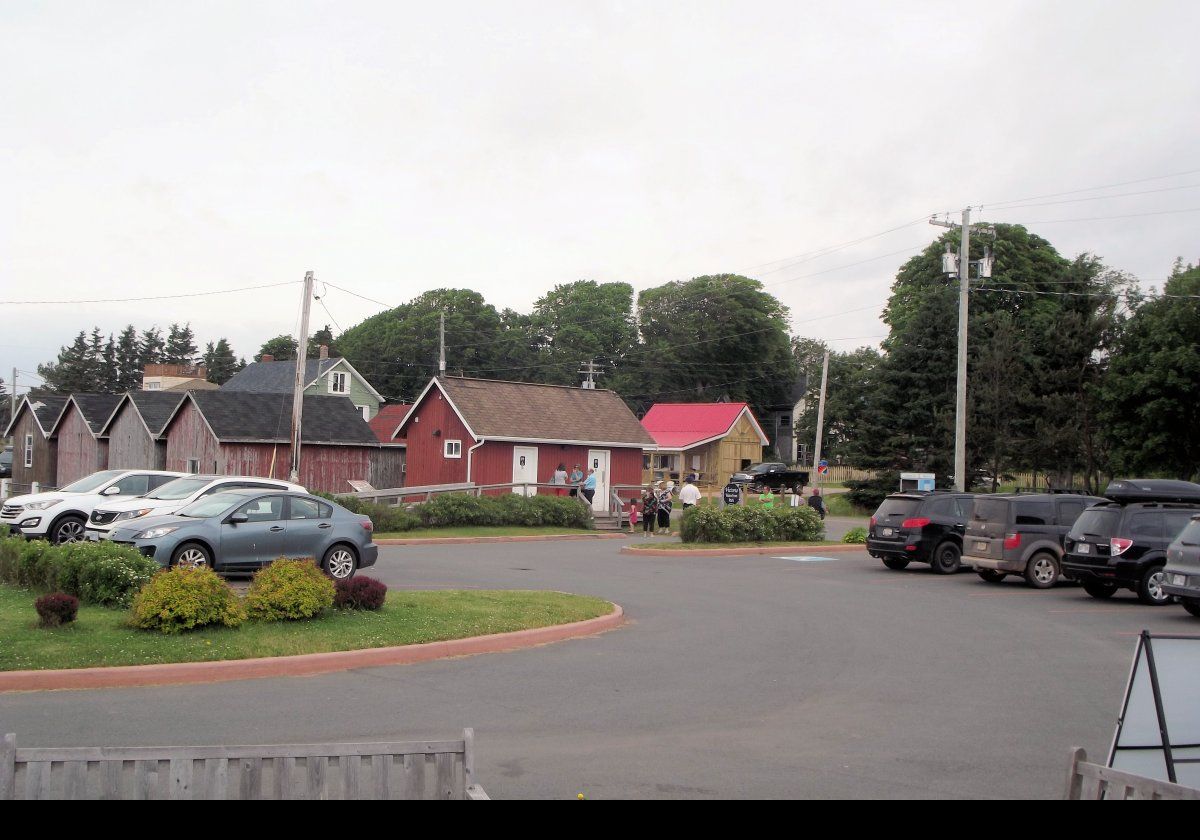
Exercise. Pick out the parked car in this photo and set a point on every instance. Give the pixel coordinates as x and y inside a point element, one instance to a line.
<point>6,457</point>
<point>1181,576</point>
<point>172,497</point>
<point>1122,542</point>
<point>921,527</point>
<point>772,476</point>
<point>61,515</point>
<point>242,530</point>
<point>1022,535</point>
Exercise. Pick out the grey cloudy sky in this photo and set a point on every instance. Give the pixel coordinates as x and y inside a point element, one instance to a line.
<point>151,148</point>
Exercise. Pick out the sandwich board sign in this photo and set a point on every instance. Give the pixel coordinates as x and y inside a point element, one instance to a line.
<point>1158,732</point>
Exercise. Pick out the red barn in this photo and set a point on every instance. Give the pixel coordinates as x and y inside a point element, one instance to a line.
<point>239,433</point>
<point>483,431</point>
<point>82,447</point>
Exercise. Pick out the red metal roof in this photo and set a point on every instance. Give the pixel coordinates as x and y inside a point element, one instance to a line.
<point>385,422</point>
<point>684,425</point>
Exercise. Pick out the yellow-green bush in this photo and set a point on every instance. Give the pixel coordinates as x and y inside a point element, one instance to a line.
<point>289,590</point>
<point>185,599</point>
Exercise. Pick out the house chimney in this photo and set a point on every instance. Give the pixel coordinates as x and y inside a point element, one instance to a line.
<point>266,357</point>
<point>324,351</point>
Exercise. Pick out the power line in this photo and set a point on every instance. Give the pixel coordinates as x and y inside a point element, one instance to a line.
<point>1091,198</point>
<point>995,204</point>
<point>1110,218</point>
<point>141,299</point>
<point>1113,294</point>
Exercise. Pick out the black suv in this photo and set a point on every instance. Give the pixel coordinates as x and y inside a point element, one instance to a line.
<point>925,527</point>
<point>1022,535</point>
<point>1122,543</point>
<point>1181,577</point>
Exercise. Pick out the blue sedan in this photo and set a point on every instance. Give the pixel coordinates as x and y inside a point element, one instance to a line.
<point>244,530</point>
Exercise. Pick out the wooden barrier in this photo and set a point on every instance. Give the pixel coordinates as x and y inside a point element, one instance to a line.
<point>1093,781</point>
<point>389,770</point>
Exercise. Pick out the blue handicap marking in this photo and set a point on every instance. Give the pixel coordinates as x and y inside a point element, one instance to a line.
<point>804,558</point>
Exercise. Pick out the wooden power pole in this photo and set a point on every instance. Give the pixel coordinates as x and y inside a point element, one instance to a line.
<point>298,386</point>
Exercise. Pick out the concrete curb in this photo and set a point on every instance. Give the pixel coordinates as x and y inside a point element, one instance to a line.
<point>182,673</point>
<point>524,538</point>
<point>736,552</point>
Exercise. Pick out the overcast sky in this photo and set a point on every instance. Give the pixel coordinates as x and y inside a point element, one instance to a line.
<point>158,148</point>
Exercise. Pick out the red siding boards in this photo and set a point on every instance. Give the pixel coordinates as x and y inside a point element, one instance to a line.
<point>434,423</point>
<point>492,463</point>
<point>80,453</point>
<point>189,438</point>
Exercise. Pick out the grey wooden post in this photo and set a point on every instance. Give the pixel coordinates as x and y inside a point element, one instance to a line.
<point>1074,787</point>
<point>8,767</point>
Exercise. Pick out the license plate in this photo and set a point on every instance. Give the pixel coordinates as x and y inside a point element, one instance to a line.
<point>981,546</point>
<point>1179,580</point>
<point>1083,548</point>
<point>887,532</point>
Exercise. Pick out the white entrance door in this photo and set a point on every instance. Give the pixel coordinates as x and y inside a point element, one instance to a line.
<point>598,460</point>
<point>525,460</point>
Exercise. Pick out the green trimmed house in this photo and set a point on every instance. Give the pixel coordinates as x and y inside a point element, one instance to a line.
<point>323,377</point>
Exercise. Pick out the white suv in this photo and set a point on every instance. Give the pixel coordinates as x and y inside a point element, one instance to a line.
<point>61,515</point>
<point>174,496</point>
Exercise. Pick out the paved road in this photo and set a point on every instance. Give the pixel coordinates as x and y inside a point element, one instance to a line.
<point>738,677</point>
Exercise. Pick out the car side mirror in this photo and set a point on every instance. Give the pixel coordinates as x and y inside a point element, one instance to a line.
<point>111,491</point>
<point>238,519</point>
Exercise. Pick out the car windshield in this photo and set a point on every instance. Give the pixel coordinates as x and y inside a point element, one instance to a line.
<point>93,482</point>
<point>180,488</point>
<point>213,505</point>
<point>1097,522</point>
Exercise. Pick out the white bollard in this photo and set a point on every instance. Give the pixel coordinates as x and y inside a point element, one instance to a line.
<point>34,488</point>
<point>5,488</point>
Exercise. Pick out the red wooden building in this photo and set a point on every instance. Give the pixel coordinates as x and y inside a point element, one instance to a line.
<point>238,433</point>
<point>82,447</point>
<point>484,431</point>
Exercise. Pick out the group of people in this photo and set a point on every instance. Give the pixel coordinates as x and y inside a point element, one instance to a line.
<point>656,503</point>
<point>579,484</point>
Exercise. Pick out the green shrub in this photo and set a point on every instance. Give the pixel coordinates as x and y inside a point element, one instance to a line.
<point>186,599</point>
<point>855,536</point>
<point>743,523</point>
<point>385,518</point>
<point>289,590</point>
<point>97,573</point>
<point>460,509</point>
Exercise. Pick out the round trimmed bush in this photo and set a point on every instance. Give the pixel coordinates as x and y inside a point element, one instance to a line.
<point>56,609</point>
<point>359,593</point>
<point>186,599</point>
<point>856,536</point>
<point>289,590</point>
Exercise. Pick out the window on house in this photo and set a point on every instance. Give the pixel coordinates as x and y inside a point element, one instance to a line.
<point>28,451</point>
<point>453,449</point>
<point>153,386</point>
<point>365,410</point>
<point>193,466</point>
<point>339,383</point>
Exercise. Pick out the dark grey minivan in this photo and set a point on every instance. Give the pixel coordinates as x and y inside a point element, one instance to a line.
<point>1021,535</point>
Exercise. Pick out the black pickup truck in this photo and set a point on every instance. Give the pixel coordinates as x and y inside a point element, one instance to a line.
<point>772,476</point>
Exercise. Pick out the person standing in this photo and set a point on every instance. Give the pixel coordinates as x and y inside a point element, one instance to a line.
<point>589,485</point>
<point>664,508</point>
<point>560,480</point>
<point>649,511</point>
<point>816,502</point>
<point>575,480</point>
<point>689,494</point>
<point>766,499</point>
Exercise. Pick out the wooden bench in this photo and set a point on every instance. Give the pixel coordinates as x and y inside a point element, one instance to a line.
<point>1094,781</point>
<point>390,770</point>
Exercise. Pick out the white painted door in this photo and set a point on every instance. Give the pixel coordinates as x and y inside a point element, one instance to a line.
<point>598,460</point>
<point>525,465</point>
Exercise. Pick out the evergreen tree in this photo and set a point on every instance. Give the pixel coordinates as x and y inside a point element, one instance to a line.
<point>181,346</point>
<point>151,347</point>
<point>322,336</point>
<point>220,362</point>
<point>71,371</point>
<point>127,360</point>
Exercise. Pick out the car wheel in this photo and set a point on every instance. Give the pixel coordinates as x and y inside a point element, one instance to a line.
<point>192,556</point>
<point>339,562</point>
<point>991,575</point>
<point>69,529</point>
<point>1042,571</point>
<point>1100,589</point>
<point>1192,605</point>
<point>1150,588</point>
<point>947,558</point>
<point>896,563</point>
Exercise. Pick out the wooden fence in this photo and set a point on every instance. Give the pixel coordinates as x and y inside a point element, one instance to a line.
<point>392,770</point>
<point>1094,781</point>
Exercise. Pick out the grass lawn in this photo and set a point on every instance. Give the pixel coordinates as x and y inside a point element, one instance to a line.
<point>100,638</point>
<point>704,546</point>
<point>838,505</point>
<point>480,531</point>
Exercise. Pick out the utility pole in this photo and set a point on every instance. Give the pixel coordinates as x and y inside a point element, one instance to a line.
<point>12,397</point>
<point>298,385</point>
<point>442,345</point>
<point>821,418</point>
<point>589,367</point>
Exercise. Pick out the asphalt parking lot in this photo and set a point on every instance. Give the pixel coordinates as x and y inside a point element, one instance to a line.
<point>736,677</point>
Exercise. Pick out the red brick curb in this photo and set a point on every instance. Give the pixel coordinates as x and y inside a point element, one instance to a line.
<point>526,538</point>
<point>735,552</point>
<point>130,676</point>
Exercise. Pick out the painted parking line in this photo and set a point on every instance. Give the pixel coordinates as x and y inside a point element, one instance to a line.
<point>805,558</point>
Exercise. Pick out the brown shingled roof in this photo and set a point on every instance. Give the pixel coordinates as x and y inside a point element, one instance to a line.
<point>544,412</point>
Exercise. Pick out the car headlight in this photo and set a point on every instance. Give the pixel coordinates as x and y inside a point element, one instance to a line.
<point>43,505</point>
<point>134,514</point>
<point>155,533</point>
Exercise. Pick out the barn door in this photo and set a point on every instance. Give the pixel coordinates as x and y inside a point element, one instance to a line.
<point>525,464</point>
<point>598,460</point>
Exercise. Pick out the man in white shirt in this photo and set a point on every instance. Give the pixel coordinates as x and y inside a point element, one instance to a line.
<point>689,494</point>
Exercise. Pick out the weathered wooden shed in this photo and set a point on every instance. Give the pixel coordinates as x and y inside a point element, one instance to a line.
<point>238,433</point>
<point>135,430</point>
<point>82,449</point>
<point>709,440</point>
<point>388,468</point>
<point>35,452</point>
<point>485,431</point>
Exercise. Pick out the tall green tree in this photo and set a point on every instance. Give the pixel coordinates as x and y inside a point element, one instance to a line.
<point>1151,391</point>
<point>282,347</point>
<point>181,346</point>
<point>579,322</point>
<point>220,362</point>
<point>151,347</point>
<point>72,370</point>
<point>848,394</point>
<point>128,361</point>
